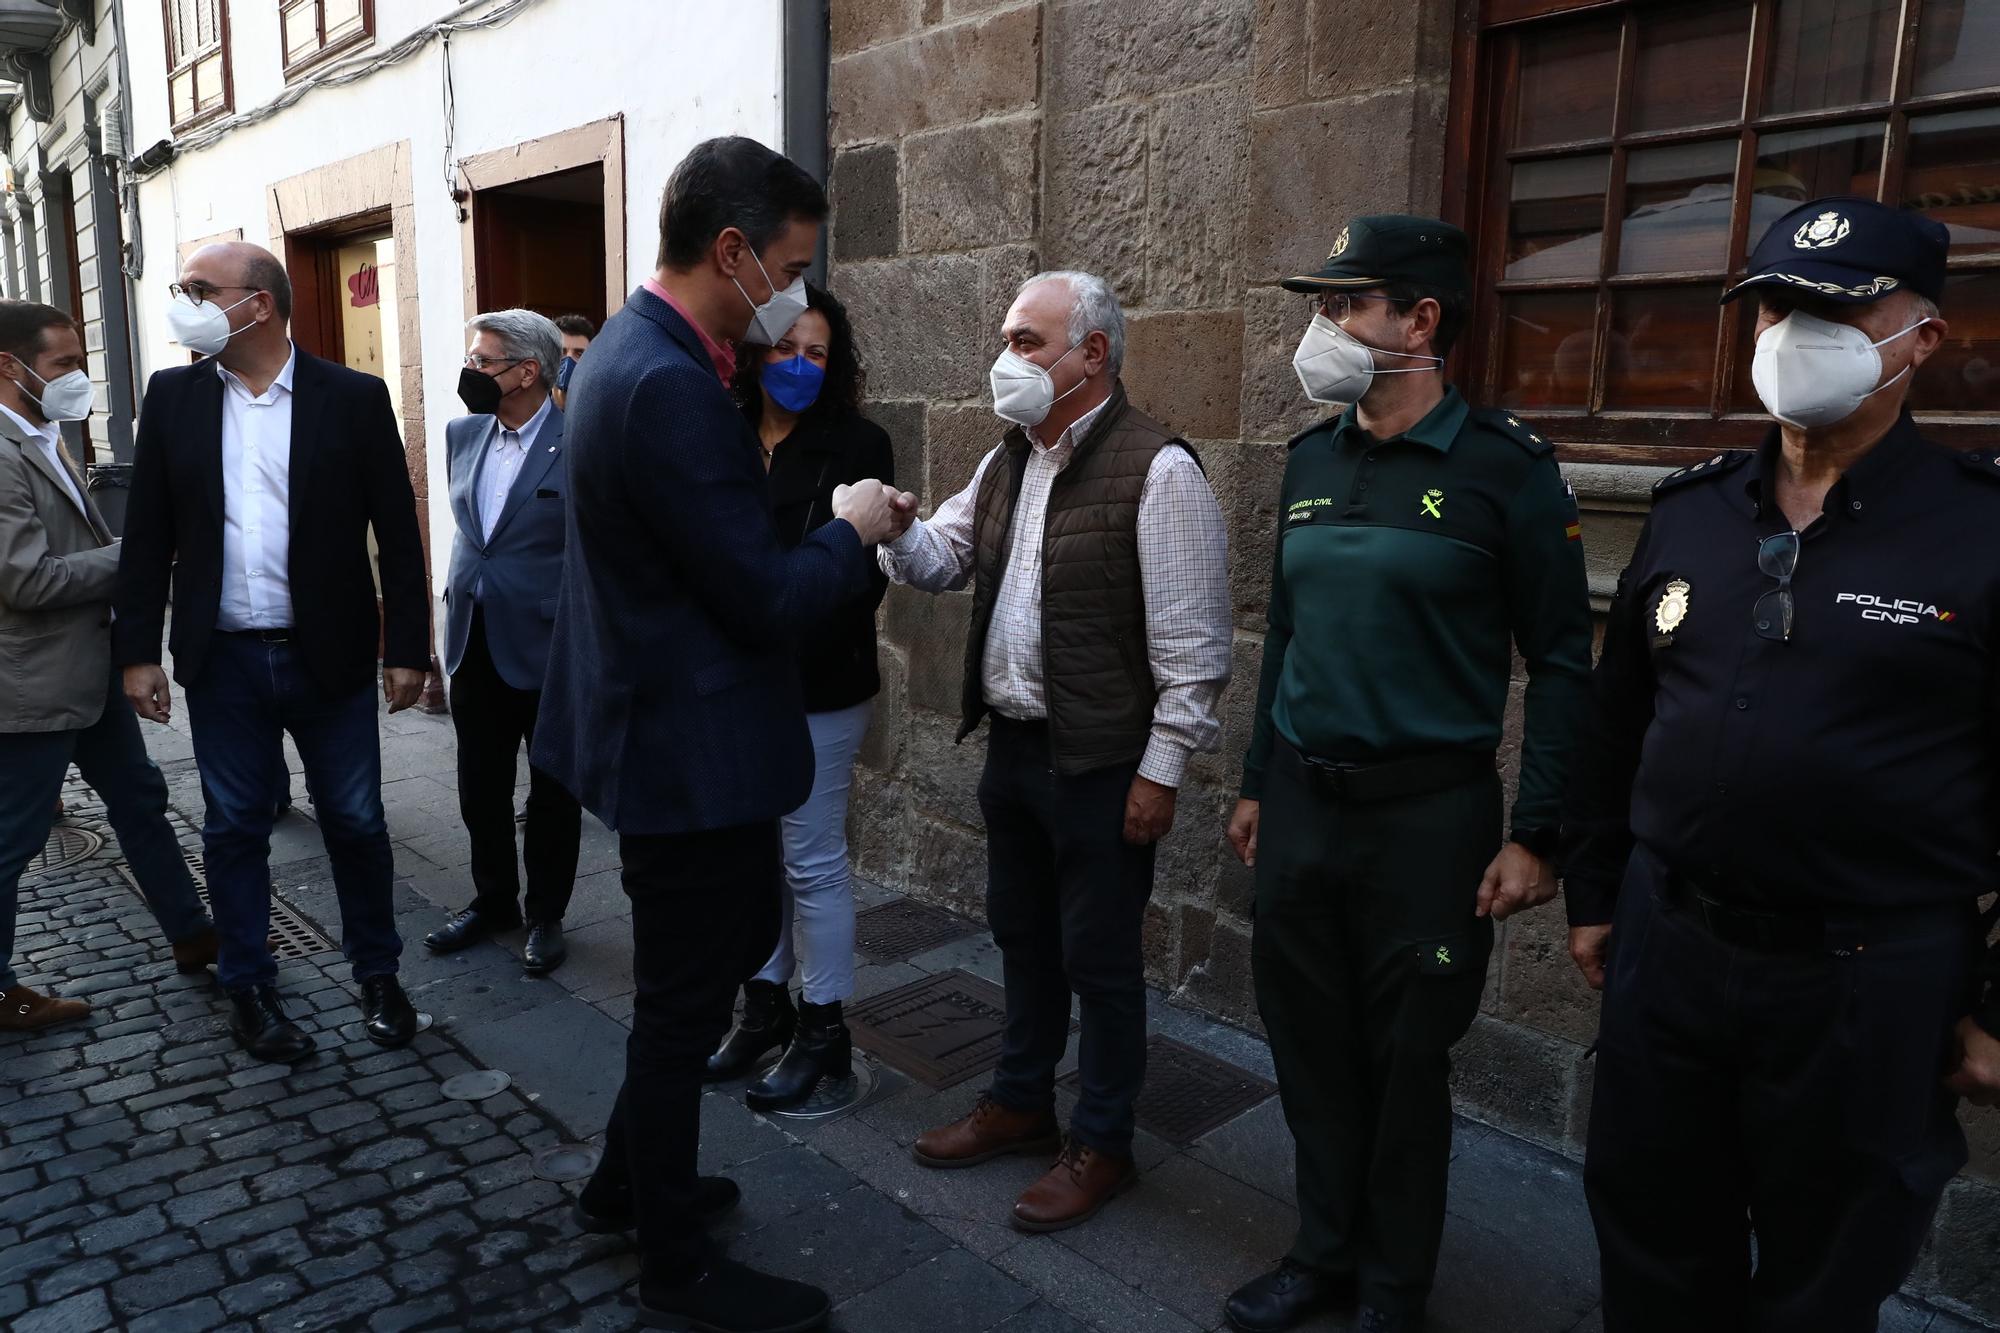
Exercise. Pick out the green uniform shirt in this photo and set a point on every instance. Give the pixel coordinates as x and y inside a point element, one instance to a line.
<point>1403,568</point>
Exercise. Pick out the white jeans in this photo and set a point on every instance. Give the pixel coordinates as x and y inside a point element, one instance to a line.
<point>817,889</point>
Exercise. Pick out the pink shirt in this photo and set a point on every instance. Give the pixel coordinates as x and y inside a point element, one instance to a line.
<point>721,354</point>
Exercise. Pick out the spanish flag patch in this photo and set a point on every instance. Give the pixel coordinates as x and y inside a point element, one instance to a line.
<point>1574,532</point>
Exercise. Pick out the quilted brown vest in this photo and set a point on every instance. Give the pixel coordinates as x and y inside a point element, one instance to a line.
<point>1097,676</point>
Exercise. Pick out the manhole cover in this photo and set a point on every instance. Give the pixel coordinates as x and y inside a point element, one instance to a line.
<point>898,931</point>
<point>295,935</point>
<point>66,846</point>
<point>475,1085</point>
<point>941,1030</point>
<point>832,1099</point>
<point>568,1161</point>
<point>1188,1092</point>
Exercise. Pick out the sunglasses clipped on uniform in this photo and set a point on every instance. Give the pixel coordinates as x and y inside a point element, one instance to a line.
<point>1777,558</point>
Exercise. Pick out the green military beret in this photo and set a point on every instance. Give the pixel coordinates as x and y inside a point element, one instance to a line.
<point>1391,247</point>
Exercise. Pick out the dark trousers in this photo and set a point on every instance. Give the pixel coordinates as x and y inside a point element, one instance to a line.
<point>1369,964</point>
<point>1066,897</point>
<point>249,696</point>
<point>704,910</point>
<point>1794,1095</point>
<point>493,721</point>
<point>112,757</point>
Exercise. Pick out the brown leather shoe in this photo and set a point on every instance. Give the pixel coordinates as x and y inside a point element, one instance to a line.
<point>24,1010</point>
<point>991,1131</point>
<point>1080,1183</point>
<point>195,952</point>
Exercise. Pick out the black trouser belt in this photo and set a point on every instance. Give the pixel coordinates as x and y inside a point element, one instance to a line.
<point>1808,929</point>
<point>1388,780</point>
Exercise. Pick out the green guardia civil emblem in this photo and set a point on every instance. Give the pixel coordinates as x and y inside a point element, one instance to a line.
<point>1443,956</point>
<point>1433,502</point>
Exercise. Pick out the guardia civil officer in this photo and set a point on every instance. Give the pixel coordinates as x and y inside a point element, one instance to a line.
<point>1783,808</point>
<point>1420,539</point>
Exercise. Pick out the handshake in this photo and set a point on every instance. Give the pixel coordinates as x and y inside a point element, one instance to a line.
<point>877,510</point>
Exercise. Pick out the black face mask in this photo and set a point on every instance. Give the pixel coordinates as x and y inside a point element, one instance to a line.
<point>479,391</point>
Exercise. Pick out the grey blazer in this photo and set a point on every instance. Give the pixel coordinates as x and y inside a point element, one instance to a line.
<point>58,565</point>
<point>520,571</point>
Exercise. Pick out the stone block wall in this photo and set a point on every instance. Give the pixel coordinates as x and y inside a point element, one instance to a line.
<point>1192,152</point>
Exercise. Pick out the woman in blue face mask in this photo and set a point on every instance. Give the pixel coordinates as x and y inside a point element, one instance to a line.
<point>803,396</point>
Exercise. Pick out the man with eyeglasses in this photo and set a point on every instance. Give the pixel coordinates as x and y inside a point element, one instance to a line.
<point>508,475</point>
<point>1420,540</point>
<point>259,472</point>
<point>1784,809</point>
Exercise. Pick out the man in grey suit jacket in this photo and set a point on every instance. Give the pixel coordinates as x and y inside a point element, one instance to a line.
<point>60,701</point>
<point>507,499</point>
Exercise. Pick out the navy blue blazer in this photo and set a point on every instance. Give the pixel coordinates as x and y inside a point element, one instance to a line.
<point>672,699</point>
<point>519,572</point>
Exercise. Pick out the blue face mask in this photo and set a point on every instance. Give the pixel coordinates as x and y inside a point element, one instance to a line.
<point>564,371</point>
<point>795,384</point>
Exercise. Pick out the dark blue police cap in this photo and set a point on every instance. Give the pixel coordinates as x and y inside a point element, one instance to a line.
<point>1849,250</point>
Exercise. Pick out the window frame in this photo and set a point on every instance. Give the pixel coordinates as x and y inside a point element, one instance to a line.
<point>1477,195</point>
<point>325,52</point>
<point>193,60</point>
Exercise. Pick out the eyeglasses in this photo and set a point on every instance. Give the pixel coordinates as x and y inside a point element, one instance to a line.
<point>1338,306</point>
<point>199,292</point>
<point>1777,558</point>
<point>484,363</point>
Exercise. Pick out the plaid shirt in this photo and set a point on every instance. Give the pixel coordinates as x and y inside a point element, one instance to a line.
<point>1183,569</point>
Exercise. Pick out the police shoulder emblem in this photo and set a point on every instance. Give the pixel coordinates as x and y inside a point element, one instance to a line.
<point>1823,232</point>
<point>1339,245</point>
<point>1672,608</point>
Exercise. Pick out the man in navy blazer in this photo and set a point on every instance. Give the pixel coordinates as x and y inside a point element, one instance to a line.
<point>672,704</point>
<point>505,464</point>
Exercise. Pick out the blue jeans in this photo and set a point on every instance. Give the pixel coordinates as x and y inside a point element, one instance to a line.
<point>248,696</point>
<point>112,758</point>
<point>816,884</point>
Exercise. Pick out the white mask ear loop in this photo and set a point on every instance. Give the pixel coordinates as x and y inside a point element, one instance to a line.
<point>1906,369</point>
<point>1409,356</point>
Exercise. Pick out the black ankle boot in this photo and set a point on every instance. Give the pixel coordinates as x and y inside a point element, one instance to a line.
<point>820,1049</point>
<point>767,1024</point>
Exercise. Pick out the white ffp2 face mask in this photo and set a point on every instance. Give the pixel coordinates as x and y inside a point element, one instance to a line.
<point>203,329</point>
<point>1334,366</point>
<point>66,397</point>
<point>772,320</point>
<point>1812,372</point>
<point>1023,392</point>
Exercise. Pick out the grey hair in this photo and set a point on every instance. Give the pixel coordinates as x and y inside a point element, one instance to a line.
<point>1095,310</point>
<point>1921,306</point>
<point>524,336</point>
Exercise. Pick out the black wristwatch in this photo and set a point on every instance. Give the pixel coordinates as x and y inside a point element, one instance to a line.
<point>1543,842</point>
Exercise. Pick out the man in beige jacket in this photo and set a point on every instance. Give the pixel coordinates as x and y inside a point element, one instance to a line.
<point>60,701</point>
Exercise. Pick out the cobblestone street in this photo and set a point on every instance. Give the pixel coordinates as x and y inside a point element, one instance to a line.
<point>156,1178</point>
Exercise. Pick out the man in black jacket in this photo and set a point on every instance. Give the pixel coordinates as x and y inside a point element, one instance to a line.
<point>259,472</point>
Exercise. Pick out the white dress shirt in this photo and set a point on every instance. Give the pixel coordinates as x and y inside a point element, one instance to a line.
<point>48,436</point>
<point>256,502</point>
<point>1183,570</point>
<point>503,465</point>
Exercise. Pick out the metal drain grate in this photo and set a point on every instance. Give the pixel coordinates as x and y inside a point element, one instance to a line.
<point>941,1030</point>
<point>1189,1092</point>
<point>295,935</point>
<point>898,931</point>
<point>66,846</point>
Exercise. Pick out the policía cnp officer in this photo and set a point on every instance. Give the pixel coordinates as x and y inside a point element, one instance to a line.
<point>1419,539</point>
<point>1785,804</point>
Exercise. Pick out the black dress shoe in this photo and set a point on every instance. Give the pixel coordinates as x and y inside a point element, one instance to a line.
<point>386,1013</point>
<point>713,1196</point>
<point>726,1297</point>
<point>467,928</point>
<point>767,1024</point>
<point>1373,1320</point>
<point>545,949</point>
<point>820,1049</point>
<point>1286,1297</point>
<point>262,1028</point>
